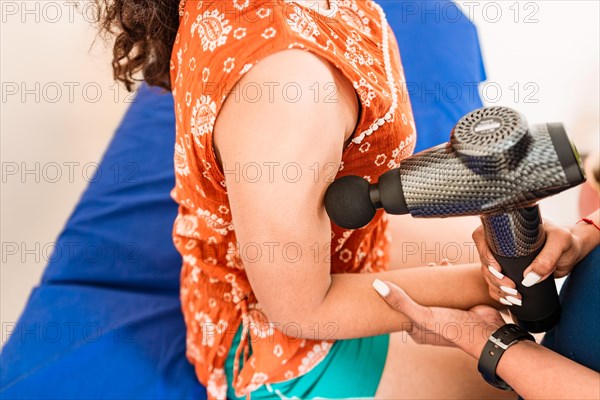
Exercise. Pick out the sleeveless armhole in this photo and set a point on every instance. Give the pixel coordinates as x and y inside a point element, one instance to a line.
<point>246,45</point>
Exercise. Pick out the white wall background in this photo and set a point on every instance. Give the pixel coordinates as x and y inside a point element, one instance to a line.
<point>552,45</point>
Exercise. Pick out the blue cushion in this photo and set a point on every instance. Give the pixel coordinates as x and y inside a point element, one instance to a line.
<point>86,342</point>
<point>106,320</point>
<point>107,313</point>
<point>119,234</point>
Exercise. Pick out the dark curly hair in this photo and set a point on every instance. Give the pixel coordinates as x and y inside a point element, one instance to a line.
<point>144,32</point>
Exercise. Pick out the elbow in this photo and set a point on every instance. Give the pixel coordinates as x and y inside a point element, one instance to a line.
<point>299,323</point>
<point>299,313</point>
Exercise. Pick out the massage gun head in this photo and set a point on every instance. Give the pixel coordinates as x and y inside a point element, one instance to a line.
<point>494,162</point>
<point>347,202</point>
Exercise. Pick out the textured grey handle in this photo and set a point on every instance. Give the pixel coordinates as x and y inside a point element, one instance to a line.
<point>516,237</point>
<point>515,233</point>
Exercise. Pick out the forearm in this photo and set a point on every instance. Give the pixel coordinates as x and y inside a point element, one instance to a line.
<point>536,372</point>
<point>351,308</point>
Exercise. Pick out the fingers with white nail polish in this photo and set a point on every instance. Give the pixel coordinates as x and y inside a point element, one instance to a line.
<point>509,290</point>
<point>531,279</point>
<point>499,285</point>
<point>505,302</point>
<point>381,287</point>
<point>514,300</point>
<point>495,272</point>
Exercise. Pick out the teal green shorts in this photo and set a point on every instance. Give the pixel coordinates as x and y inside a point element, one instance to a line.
<point>352,368</point>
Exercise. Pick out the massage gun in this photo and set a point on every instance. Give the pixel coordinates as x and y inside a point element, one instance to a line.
<point>495,166</point>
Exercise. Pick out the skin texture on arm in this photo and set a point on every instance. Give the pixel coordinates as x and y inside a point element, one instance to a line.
<point>280,217</point>
<point>535,372</point>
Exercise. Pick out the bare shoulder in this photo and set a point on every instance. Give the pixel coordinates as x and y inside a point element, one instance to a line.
<point>293,97</point>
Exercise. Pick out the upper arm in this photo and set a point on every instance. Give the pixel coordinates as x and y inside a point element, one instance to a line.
<point>274,150</point>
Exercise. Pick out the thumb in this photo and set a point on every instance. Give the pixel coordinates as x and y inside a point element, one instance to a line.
<point>544,264</point>
<point>397,298</point>
<point>558,243</point>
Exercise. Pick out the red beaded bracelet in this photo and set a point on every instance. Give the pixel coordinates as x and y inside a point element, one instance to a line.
<point>589,221</point>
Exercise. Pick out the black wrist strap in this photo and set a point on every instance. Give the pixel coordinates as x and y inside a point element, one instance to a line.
<point>499,341</point>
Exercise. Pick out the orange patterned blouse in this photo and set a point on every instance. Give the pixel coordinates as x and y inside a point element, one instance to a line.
<point>217,42</point>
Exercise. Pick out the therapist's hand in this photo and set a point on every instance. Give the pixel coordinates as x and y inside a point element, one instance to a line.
<point>468,330</point>
<point>564,248</point>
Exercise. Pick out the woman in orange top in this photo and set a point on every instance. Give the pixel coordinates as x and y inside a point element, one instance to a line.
<point>274,99</point>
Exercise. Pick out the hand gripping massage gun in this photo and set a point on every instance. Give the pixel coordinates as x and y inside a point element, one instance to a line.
<point>495,166</point>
